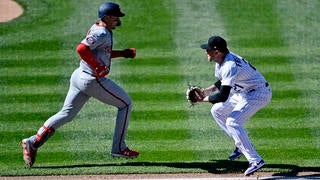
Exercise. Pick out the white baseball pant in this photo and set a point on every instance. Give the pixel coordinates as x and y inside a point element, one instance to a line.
<point>233,113</point>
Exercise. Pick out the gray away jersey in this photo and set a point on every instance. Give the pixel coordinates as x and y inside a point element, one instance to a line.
<point>99,39</point>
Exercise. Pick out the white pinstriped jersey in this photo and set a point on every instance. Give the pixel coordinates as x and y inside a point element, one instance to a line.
<point>235,71</point>
<point>99,39</point>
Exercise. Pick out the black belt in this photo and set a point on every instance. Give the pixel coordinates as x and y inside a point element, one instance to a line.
<point>266,85</point>
<point>88,73</point>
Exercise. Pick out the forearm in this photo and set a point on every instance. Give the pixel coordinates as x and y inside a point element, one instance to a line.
<point>210,90</point>
<point>221,96</point>
<point>116,53</point>
<point>213,88</point>
<point>126,53</point>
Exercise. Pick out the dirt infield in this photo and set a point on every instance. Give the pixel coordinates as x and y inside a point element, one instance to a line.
<point>257,175</point>
<point>9,10</point>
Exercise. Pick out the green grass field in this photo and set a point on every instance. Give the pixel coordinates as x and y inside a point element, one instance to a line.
<point>37,57</point>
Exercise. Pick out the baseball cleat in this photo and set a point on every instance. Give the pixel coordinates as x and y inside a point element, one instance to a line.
<point>236,154</point>
<point>253,167</point>
<point>126,153</point>
<point>29,154</point>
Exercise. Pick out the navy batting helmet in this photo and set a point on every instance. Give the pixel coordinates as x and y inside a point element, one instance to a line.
<point>108,9</point>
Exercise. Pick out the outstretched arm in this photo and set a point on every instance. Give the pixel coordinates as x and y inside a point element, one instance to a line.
<point>126,53</point>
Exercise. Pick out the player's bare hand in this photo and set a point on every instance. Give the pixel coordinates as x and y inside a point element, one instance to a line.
<point>101,70</point>
<point>129,53</point>
<point>207,91</point>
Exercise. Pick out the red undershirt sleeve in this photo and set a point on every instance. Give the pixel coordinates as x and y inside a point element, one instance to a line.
<point>86,54</point>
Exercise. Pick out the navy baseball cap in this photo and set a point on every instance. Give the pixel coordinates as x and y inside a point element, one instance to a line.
<point>215,43</point>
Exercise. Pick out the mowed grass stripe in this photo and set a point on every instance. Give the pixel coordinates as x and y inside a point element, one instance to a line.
<point>302,33</point>
<point>59,87</point>
<point>34,98</point>
<point>256,25</point>
<point>31,63</point>
<point>292,155</point>
<point>16,117</point>
<point>196,22</point>
<point>291,94</point>
<point>151,78</point>
<point>14,136</point>
<point>282,132</point>
<point>159,115</point>
<point>283,112</point>
<point>32,79</point>
<point>156,96</point>
<point>45,157</point>
<point>155,75</point>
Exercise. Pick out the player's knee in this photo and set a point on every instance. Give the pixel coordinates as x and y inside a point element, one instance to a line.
<point>127,104</point>
<point>232,123</point>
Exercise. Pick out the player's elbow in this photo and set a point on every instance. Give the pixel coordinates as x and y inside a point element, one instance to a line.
<point>223,97</point>
<point>82,48</point>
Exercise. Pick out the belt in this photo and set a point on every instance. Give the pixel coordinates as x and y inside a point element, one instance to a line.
<point>88,73</point>
<point>266,85</point>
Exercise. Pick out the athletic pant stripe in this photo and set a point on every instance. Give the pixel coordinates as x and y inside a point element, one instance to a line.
<point>124,102</point>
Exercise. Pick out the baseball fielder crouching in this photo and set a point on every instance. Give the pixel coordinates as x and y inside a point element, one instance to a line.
<point>241,92</point>
<point>89,81</point>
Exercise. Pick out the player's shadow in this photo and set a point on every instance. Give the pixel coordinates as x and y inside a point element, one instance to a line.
<point>213,166</point>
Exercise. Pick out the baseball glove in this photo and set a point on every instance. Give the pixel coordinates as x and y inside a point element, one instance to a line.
<point>194,94</point>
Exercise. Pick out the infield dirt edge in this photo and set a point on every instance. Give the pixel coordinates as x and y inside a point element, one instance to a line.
<point>9,10</point>
<point>257,175</point>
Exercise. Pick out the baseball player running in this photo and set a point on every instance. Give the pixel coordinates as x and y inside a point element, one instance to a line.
<point>239,93</point>
<point>89,81</point>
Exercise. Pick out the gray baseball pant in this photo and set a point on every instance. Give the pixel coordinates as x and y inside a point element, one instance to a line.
<point>83,85</point>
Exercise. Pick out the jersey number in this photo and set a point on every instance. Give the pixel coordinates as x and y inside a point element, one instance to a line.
<point>238,63</point>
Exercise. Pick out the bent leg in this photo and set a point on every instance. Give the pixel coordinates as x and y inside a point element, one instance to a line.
<point>110,93</point>
<point>74,101</point>
<point>243,111</point>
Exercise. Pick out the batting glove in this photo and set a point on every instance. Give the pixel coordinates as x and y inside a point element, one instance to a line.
<point>129,53</point>
<point>101,70</point>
